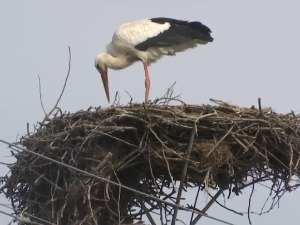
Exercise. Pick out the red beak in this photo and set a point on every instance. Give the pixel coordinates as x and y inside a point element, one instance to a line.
<point>105,83</point>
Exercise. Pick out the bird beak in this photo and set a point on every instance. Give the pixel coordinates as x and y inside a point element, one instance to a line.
<point>105,83</point>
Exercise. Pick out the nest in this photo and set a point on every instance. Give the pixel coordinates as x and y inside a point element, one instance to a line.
<point>150,148</point>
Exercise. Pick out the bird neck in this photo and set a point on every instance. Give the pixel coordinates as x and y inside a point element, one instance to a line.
<point>115,63</point>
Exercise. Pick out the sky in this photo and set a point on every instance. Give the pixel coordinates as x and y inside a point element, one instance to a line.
<point>255,54</point>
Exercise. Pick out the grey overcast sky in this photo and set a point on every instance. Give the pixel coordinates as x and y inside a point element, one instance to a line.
<point>255,54</point>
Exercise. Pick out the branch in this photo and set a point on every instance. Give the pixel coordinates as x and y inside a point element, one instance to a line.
<point>62,91</point>
<point>40,91</point>
<point>209,204</point>
<point>184,171</point>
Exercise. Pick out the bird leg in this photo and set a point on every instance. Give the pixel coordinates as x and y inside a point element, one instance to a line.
<point>147,81</point>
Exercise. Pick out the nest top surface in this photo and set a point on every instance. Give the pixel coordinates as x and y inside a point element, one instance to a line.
<point>228,138</point>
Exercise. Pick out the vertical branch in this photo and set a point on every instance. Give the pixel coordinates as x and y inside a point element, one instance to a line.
<point>184,171</point>
<point>196,199</point>
<point>249,205</point>
<point>259,106</point>
<point>63,90</point>
<point>41,99</point>
<point>119,199</point>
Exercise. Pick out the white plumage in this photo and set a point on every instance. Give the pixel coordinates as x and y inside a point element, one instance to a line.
<point>139,31</point>
<point>148,41</point>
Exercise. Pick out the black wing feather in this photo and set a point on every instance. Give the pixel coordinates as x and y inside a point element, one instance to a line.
<point>179,32</point>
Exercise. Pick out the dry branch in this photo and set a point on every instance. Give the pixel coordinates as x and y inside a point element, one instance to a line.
<point>145,147</point>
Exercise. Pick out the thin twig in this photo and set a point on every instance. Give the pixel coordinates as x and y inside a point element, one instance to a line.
<point>259,106</point>
<point>208,205</point>
<point>63,89</point>
<point>195,203</point>
<point>219,142</point>
<point>223,206</point>
<point>26,214</point>
<point>116,101</point>
<point>21,219</point>
<point>249,204</point>
<point>131,99</point>
<point>40,92</point>
<point>150,218</point>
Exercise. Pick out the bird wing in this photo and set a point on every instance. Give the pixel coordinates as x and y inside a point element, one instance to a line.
<point>179,32</point>
<point>130,35</point>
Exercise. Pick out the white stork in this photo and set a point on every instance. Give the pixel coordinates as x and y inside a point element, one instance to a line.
<point>148,41</point>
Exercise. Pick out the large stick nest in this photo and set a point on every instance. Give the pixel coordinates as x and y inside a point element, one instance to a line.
<point>145,147</point>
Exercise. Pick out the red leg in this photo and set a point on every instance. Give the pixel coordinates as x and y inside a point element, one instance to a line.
<point>147,81</point>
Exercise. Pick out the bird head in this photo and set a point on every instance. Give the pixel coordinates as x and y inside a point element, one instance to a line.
<point>102,68</point>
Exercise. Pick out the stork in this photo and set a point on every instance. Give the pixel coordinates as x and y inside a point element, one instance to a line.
<point>147,41</point>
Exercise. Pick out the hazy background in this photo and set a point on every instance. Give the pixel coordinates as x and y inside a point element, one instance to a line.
<point>255,54</point>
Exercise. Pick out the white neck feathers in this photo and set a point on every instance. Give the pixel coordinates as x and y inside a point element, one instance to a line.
<point>106,60</point>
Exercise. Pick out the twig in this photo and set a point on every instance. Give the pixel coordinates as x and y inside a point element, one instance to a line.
<point>26,214</point>
<point>40,92</point>
<point>119,199</point>
<point>249,205</point>
<point>27,128</point>
<point>223,206</point>
<point>116,99</point>
<point>21,219</point>
<point>63,89</point>
<point>164,156</point>
<point>168,97</point>
<point>208,205</point>
<point>131,99</point>
<point>259,106</point>
<point>184,171</point>
<point>195,203</point>
<point>219,142</point>
<point>169,92</point>
<point>151,220</point>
